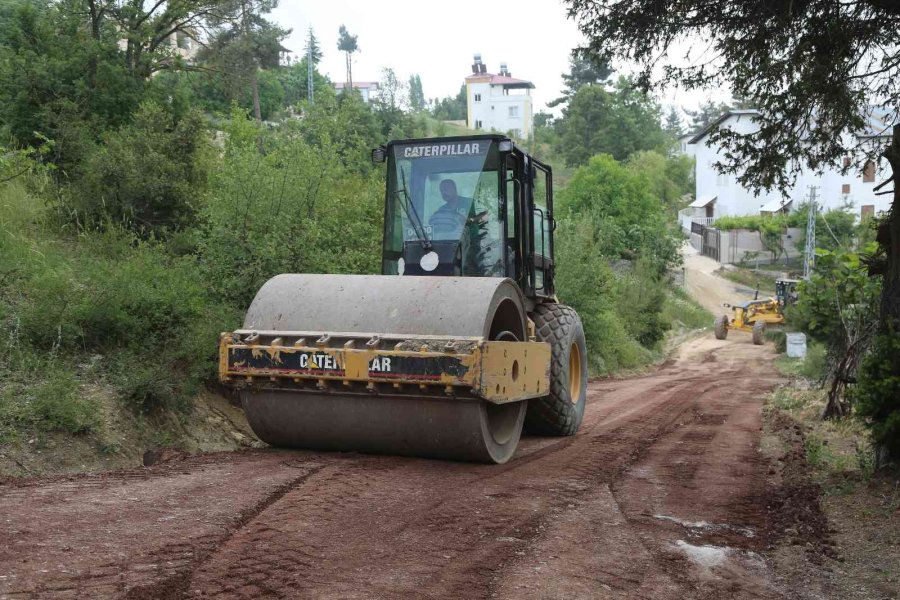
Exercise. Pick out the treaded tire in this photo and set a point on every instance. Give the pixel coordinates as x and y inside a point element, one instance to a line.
<point>558,413</point>
<point>759,333</point>
<point>721,327</point>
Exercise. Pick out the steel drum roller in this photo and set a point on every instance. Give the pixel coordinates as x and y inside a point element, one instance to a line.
<point>454,428</point>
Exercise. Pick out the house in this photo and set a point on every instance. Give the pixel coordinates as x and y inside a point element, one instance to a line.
<point>718,194</point>
<point>684,145</point>
<point>498,102</point>
<point>367,89</point>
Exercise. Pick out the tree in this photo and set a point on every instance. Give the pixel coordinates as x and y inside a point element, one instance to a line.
<point>706,114</point>
<point>347,44</point>
<point>58,81</point>
<point>585,68</point>
<point>390,106</point>
<point>451,108</point>
<point>242,42</point>
<point>674,125</point>
<point>814,70</point>
<point>416,95</point>
<point>295,81</point>
<point>618,122</point>
<point>838,306</point>
<point>312,47</point>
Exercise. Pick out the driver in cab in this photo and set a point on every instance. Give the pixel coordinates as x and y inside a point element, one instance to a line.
<point>448,220</point>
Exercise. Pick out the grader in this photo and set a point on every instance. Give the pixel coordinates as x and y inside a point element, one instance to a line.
<point>755,315</point>
<point>457,345</point>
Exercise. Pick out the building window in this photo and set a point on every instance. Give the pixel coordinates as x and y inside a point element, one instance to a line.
<point>845,188</point>
<point>477,124</point>
<point>722,180</point>
<point>846,161</point>
<point>513,112</point>
<point>869,172</point>
<point>867,211</point>
<point>477,97</point>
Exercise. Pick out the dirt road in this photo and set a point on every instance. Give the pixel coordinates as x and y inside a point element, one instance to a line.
<point>707,288</point>
<point>660,495</point>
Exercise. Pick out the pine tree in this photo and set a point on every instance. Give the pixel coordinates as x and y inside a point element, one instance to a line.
<point>312,47</point>
<point>347,44</point>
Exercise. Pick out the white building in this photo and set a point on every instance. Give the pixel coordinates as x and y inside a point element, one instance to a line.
<point>498,102</point>
<point>720,194</point>
<point>685,146</point>
<point>367,89</point>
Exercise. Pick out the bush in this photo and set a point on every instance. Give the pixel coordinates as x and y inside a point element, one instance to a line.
<point>878,392</point>
<point>296,209</point>
<point>149,175</point>
<point>45,398</point>
<point>681,308</point>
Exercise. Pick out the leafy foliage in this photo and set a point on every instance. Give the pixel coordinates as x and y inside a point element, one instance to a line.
<point>585,69</point>
<point>618,122</point>
<point>838,307</point>
<point>296,208</point>
<point>877,395</point>
<point>149,175</point>
<point>451,108</point>
<point>628,220</point>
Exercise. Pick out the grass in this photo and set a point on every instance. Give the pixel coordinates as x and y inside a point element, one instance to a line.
<point>838,452</point>
<point>100,307</point>
<point>681,309</point>
<point>811,367</point>
<point>765,280</point>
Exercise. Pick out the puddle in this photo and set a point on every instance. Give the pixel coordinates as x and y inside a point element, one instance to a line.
<point>703,556</point>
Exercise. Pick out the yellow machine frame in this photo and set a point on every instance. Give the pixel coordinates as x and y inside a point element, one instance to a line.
<point>496,371</point>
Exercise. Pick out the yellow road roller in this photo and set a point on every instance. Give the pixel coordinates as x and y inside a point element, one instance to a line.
<point>457,346</point>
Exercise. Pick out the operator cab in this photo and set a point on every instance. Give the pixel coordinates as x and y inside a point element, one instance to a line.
<point>475,206</point>
<point>786,291</point>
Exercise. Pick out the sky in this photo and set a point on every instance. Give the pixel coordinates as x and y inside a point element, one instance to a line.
<point>437,41</point>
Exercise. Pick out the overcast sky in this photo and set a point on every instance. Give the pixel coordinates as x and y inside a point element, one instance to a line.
<point>437,40</point>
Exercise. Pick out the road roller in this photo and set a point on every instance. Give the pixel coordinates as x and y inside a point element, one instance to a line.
<point>456,347</point>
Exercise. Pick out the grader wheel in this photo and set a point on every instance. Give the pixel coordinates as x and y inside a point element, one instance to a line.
<point>759,333</point>
<point>721,327</point>
<point>561,411</point>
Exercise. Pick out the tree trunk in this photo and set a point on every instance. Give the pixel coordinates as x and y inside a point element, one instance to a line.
<point>350,68</point>
<point>890,291</point>
<point>254,84</point>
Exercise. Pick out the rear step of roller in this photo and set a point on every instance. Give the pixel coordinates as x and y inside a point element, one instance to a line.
<point>387,364</point>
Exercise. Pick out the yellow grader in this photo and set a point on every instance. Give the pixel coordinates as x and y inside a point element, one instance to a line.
<point>453,349</point>
<point>754,315</point>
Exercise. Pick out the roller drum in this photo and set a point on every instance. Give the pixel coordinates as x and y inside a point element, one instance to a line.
<point>451,428</point>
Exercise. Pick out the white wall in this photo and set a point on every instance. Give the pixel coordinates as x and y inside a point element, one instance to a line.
<point>493,108</point>
<point>733,199</point>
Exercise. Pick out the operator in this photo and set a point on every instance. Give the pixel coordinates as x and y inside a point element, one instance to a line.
<point>449,219</point>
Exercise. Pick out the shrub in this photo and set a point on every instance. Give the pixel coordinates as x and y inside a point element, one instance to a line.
<point>878,392</point>
<point>46,399</point>
<point>294,209</point>
<point>149,175</point>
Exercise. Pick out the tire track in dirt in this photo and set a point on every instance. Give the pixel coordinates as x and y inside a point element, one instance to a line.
<point>575,517</point>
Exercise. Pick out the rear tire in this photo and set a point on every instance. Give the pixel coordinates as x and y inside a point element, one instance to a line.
<point>759,333</point>
<point>561,411</point>
<point>721,327</point>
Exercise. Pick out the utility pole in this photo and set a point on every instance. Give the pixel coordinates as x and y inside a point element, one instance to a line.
<point>809,254</point>
<point>309,73</point>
